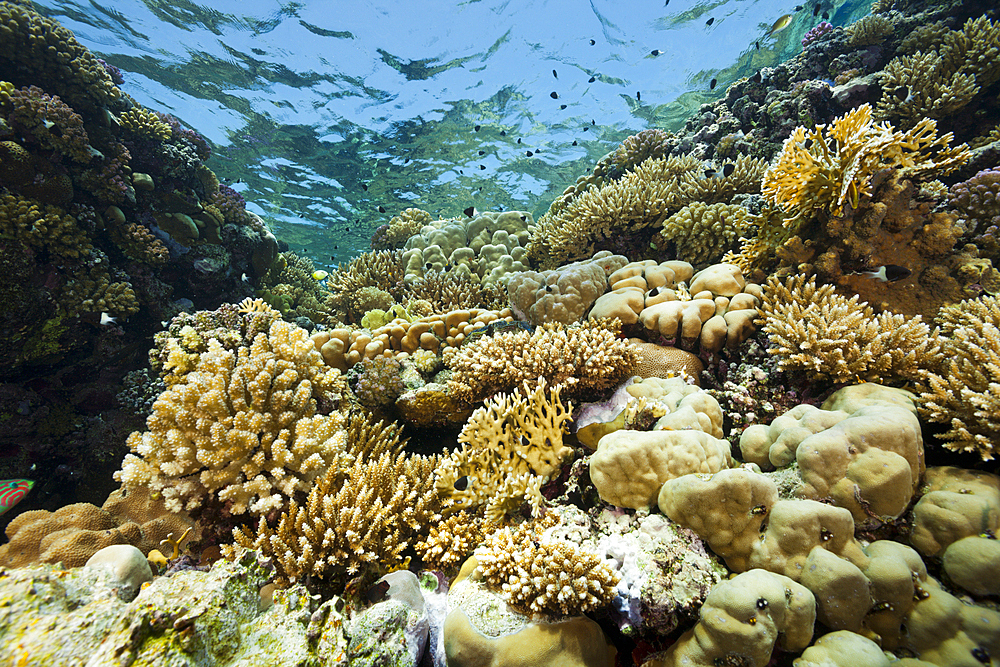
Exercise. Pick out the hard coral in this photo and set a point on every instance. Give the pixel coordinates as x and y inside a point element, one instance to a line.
<point>242,426</point>
<point>48,121</point>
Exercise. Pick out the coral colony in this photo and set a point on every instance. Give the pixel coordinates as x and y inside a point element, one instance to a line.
<point>730,401</point>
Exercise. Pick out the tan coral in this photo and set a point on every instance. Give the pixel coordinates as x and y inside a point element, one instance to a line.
<point>701,233</point>
<point>242,426</point>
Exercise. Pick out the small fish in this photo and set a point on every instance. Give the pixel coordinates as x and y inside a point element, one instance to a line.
<point>816,9</point>
<point>574,143</point>
<point>333,258</point>
<point>757,45</point>
<point>107,319</point>
<point>482,167</point>
<point>377,592</point>
<point>709,173</point>
<point>710,21</point>
<point>554,74</point>
<point>320,275</point>
<point>798,8</point>
<point>528,153</point>
<point>712,84</point>
<point>756,78</point>
<point>638,96</point>
<point>470,212</point>
<point>562,106</point>
<point>654,52</point>
<point>728,169</point>
<point>779,25</point>
<point>476,128</point>
<point>585,128</point>
<point>503,133</point>
<point>888,273</point>
<point>592,122</point>
<point>381,209</point>
<point>666,3</point>
<point>592,79</point>
<point>462,483</point>
<point>826,16</point>
<point>592,42</point>
<point>853,195</point>
<point>554,95</point>
<point>13,491</point>
<point>364,187</point>
<point>245,278</point>
<point>482,152</point>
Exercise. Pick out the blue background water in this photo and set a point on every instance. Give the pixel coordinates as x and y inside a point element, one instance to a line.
<point>321,112</point>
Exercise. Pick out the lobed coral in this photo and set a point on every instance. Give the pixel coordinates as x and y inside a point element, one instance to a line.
<point>587,358</point>
<point>544,576</point>
<point>816,330</point>
<point>961,388</point>
<point>242,426</point>
<point>564,294</point>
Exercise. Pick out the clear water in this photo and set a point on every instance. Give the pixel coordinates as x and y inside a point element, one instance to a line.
<point>320,113</point>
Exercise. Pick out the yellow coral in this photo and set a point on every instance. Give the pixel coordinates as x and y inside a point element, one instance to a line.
<point>451,541</point>
<point>242,426</point>
<point>43,227</point>
<point>146,124</point>
<point>510,447</point>
<point>702,233</point>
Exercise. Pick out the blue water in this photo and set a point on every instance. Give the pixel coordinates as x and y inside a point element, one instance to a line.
<point>320,113</point>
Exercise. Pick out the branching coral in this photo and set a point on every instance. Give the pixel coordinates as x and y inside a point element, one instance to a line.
<point>588,358</point>
<point>451,541</point>
<point>380,269</point>
<point>543,575</point>
<point>702,233</point>
<point>47,120</point>
<point>92,290</point>
<point>46,228</point>
<point>636,149</point>
<point>452,290</point>
<point>939,81</point>
<point>242,426</point>
<point>963,390</point>
<point>816,330</point>
<point>400,228</point>
<point>356,519</point>
<point>868,30</point>
<point>144,124</point>
<point>510,447</point>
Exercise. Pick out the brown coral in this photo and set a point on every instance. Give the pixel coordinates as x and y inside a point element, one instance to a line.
<point>49,121</point>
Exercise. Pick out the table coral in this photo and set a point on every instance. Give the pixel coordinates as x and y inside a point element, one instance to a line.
<point>242,427</point>
<point>589,358</point>
<point>961,389</point>
<point>816,330</point>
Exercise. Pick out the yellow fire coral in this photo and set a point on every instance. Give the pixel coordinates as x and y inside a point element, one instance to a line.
<point>589,357</point>
<point>963,389</point>
<point>816,330</point>
<point>510,447</point>
<point>241,426</point>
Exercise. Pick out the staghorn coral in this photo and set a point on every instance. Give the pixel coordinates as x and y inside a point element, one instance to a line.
<point>510,447</point>
<point>241,426</point>
<point>39,49</point>
<point>355,519</point>
<point>588,358</point>
<point>701,233</point>
<point>400,228</point>
<point>542,575</point>
<point>47,120</point>
<point>940,79</point>
<point>451,541</point>
<point>962,388</point>
<point>640,199</point>
<point>816,330</point>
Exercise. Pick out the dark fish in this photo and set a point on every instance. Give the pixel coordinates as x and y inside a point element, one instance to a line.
<point>482,167</point>
<point>377,592</point>
<point>364,187</point>
<point>462,483</point>
<point>332,258</point>
<point>808,144</point>
<point>712,84</point>
<point>574,143</point>
<point>523,218</point>
<point>503,133</point>
<point>381,209</point>
<point>756,78</point>
<point>528,153</point>
<point>476,128</point>
<point>554,74</point>
<point>638,96</point>
<point>654,52</point>
<point>826,16</point>
<point>592,79</point>
<point>562,106</point>
<point>482,152</point>
<point>554,95</point>
<point>592,122</point>
<point>406,161</point>
<point>336,247</point>
<point>798,8</point>
<point>709,173</point>
<point>469,212</point>
<point>889,273</point>
<point>710,21</point>
<point>728,169</point>
<point>757,45</point>
<point>666,3</point>
<point>592,42</point>
<point>816,9</point>
<point>902,92</point>
<point>585,128</point>
<point>519,140</point>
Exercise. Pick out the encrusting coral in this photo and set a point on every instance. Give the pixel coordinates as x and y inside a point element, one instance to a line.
<point>510,447</point>
<point>961,390</point>
<point>242,426</point>
<point>543,575</point>
<point>357,517</point>
<point>589,357</point>
<point>829,336</point>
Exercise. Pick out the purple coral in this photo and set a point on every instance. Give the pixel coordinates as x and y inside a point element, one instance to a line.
<point>113,72</point>
<point>977,202</point>
<point>816,33</point>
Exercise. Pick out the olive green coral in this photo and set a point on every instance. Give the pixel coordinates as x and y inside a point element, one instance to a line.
<point>43,227</point>
<point>701,233</point>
